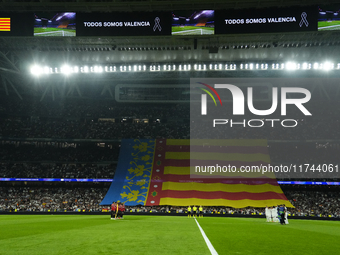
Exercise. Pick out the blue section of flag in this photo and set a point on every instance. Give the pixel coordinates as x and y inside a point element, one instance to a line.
<point>131,181</point>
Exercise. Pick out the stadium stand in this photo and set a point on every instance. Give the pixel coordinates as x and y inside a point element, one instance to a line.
<point>312,201</point>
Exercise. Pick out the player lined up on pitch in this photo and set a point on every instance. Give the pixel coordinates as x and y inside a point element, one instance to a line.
<point>194,211</point>
<point>117,210</point>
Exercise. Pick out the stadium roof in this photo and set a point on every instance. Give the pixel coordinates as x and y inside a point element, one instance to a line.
<point>17,54</point>
<point>143,5</point>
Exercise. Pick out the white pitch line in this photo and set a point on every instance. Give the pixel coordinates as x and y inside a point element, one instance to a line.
<point>207,241</point>
<point>47,32</point>
<point>328,27</point>
<point>184,31</point>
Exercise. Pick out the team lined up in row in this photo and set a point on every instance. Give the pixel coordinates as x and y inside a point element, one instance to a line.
<point>194,211</point>
<point>277,214</point>
<point>117,210</point>
<point>273,214</point>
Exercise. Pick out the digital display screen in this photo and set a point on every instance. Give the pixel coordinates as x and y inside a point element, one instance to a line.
<point>55,24</point>
<point>328,17</point>
<point>193,22</point>
<point>270,20</point>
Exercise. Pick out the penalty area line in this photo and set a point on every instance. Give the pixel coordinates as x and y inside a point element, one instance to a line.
<point>207,241</point>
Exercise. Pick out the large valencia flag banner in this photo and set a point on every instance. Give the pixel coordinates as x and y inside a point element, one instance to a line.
<point>166,172</point>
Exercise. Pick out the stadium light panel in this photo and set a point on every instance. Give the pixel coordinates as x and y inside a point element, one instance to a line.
<point>170,67</point>
<point>36,70</point>
<point>47,70</point>
<point>97,69</point>
<point>122,68</point>
<point>112,69</point>
<point>85,69</point>
<point>327,66</point>
<point>65,69</point>
<point>291,66</point>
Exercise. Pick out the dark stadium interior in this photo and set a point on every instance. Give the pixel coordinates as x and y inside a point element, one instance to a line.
<point>55,126</point>
<point>169,127</point>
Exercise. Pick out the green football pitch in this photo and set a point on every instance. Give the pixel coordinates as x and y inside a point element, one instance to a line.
<point>192,30</point>
<point>83,234</point>
<point>329,25</point>
<point>51,31</point>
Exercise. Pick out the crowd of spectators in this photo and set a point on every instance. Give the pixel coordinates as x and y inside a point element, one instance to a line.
<point>58,152</point>
<point>86,108</point>
<point>72,108</point>
<point>89,129</point>
<point>206,210</point>
<point>241,129</point>
<point>53,170</point>
<point>51,199</point>
<point>314,203</point>
<point>83,119</point>
<point>300,153</point>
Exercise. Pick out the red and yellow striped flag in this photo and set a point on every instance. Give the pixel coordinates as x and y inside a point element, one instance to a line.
<point>163,172</point>
<point>172,184</point>
<point>5,24</point>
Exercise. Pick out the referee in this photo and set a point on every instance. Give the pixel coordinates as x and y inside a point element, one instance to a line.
<point>189,211</point>
<point>201,211</point>
<point>195,211</point>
